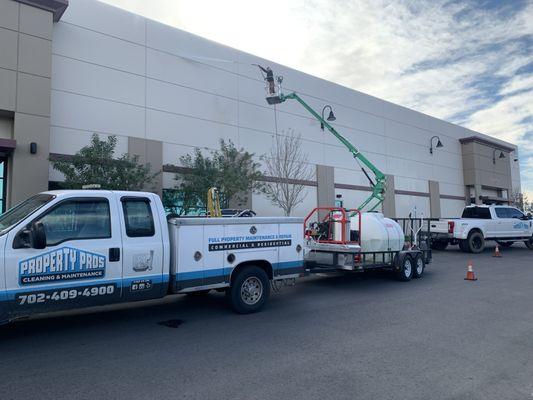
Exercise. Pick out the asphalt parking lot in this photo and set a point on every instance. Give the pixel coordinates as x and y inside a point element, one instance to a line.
<point>338,337</point>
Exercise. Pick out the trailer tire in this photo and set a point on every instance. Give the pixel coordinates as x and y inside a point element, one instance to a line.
<point>529,243</point>
<point>405,272</point>
<point>419,266</point>
<point>475,242</point>
<point>249,290</point>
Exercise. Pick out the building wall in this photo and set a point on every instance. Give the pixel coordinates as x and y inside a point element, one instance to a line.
<point>25,70</point>
<point>114,72</point>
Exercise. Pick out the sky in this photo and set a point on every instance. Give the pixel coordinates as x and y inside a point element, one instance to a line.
<point>469,62</point>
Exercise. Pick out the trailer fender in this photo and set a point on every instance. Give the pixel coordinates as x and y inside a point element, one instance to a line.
<point>398,260</point>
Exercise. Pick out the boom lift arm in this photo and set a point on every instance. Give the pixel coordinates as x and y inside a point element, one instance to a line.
<point>378,186</point>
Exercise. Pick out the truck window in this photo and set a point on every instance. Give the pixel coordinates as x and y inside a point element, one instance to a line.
<point>514,213</point>
<point>22,210</point>
<point>476,213</point>
<point>502,212</point>
<point>138,217</point>
<point>77,219</point>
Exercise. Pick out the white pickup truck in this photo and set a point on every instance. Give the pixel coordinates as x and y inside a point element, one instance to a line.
<point>479,223</point>
<point>69,249</point>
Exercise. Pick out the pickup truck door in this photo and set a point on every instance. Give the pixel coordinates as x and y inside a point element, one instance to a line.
<point>520,227</point>
<point>504,223</point>
<point>80,265</point>
<point>142,244</point>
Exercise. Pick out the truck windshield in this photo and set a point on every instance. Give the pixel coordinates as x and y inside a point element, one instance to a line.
<point>22,210</point>
<point>476,213</point>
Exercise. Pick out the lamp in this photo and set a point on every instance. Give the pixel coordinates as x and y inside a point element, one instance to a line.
<point>438,145</point>
<point>331,116</point>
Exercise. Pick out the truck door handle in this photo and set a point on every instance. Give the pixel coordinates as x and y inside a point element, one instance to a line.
<point>114,254</point>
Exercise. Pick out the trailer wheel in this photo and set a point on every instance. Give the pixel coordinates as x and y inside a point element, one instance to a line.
<point>419,266</point>
<point>249,291</point>
<point>405,272</point>
<point>529,243</point>
<point>475,242</point>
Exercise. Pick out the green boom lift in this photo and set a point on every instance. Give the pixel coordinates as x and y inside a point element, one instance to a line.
<point>276,96</point>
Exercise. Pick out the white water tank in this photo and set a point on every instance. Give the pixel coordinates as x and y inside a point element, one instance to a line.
<point>378,233</point>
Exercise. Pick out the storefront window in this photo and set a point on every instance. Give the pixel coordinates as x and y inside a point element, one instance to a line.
<point>3,185</point>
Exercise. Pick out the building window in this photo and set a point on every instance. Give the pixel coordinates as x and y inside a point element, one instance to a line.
<point>3,184</point>
<point>175,204</point>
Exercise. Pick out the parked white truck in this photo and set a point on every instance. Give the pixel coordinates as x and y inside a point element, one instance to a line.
<point>69,249</point>
<point>479,223</point>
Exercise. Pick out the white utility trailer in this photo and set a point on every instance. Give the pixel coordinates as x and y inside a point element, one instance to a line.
<point>338,239</point>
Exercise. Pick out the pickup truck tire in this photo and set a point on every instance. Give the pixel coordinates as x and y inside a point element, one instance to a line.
<point>405,272</point>
<point>418,266</point>
<point>504,244</point>
<point>439,244</point>
<point>529,243</point>
<point>249,291</point>
<point>475,242</point>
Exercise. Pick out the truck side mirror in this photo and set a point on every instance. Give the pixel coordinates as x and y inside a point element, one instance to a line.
<point>37,236</point>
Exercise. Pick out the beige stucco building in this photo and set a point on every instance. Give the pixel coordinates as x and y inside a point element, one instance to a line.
<point>69,70</point>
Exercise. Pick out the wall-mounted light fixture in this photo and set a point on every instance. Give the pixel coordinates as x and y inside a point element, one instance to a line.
<point>331,116</point>
<point>494,155</point>
<point>33,148</point>
<point>438,145</point>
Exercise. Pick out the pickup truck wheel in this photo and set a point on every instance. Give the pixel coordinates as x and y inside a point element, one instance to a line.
<point>439,245</point>
<point>249,291</point>
<point>475,242</point>
<point>529,243</point>
<point>419,266</point>
<point>405,273</point>
<point>504,244</point>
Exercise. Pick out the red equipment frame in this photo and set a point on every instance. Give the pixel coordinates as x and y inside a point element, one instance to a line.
<point>342,221</point>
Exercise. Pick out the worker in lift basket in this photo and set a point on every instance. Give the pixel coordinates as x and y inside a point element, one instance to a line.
<point>269,78</point>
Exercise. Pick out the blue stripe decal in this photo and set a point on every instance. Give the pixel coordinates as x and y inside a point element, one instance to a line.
<point>126,282</point>
<point>289,264</point>
<point>211,273</point>
<point>10,294</point>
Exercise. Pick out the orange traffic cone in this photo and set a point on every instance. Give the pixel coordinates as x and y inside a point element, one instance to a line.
<point>470,273</point>
<point>497,251</point>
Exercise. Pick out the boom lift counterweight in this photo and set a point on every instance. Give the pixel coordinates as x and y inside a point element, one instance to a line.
<point>378,185</point>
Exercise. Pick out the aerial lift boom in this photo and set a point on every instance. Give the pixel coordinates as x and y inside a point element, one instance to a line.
<point>378,185</point>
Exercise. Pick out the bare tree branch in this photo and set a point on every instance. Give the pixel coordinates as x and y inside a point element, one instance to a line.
<point>288,165</point>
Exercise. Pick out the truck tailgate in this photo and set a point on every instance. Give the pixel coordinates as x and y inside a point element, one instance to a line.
<point>440,226</point>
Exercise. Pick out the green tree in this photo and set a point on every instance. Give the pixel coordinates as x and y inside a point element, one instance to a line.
<point>233,171</point>
<point>96,164</point>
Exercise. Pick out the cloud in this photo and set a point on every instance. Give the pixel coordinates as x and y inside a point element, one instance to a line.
<point>468,62</point>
